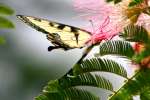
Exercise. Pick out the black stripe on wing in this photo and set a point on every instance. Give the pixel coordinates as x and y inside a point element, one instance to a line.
<point>26,20</point>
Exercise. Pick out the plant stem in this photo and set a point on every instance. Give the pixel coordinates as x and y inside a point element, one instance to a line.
<point>85,53</point>
<point>115,93</point>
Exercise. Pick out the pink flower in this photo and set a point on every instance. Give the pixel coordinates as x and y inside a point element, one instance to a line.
<point>103,32</point>
<point>120,14</point>
<point>97,10</point>
<point>144,20</point>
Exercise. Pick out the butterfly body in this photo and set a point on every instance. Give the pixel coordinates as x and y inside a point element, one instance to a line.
<point>60,35</point>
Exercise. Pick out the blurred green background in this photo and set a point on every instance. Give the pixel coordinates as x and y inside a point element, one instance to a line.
<point>25,64</point>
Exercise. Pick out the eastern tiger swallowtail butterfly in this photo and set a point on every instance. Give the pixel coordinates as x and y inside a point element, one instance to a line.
<point>61,35</point>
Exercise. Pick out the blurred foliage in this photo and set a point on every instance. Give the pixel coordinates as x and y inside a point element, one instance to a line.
<point>5,10</point>
<point>131,4</point>
<point>4,22</point>
<point>2,40</point>
<point>115,1</point>
<point>135,2</point>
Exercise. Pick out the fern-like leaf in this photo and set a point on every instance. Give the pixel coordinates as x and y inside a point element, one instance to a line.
<point>98,64</point>
<point>145,95</point>
<point>122,48</point>
<point>135,33</point>
<point>68,94</point>
<point>138,86</point>
<point>86,79</point>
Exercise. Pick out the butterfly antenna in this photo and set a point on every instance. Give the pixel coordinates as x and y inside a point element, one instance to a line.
<point>93,29</point>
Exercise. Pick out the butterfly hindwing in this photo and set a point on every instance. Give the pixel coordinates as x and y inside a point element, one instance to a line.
<point>59,34</point>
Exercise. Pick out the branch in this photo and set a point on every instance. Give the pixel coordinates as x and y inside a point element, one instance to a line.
<point>128,81</point>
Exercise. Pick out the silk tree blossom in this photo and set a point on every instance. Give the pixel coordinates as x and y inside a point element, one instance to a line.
<point>120,14</point>
<point>103,32</point>
<point>97,10</point>
<point>102,29</point>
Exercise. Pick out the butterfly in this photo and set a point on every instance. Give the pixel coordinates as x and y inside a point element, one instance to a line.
<point>60,35</point>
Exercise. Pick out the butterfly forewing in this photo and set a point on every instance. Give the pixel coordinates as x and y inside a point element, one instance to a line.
<point>71,36</point>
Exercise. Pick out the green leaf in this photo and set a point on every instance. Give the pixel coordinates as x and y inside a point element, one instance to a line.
<point>137,86</point>
<point>145,95</point>
<point>5,10</point>
<point>63,89</point>
<point>135,33</point>
<point>68,94</point>
<point>139,57</point>
<point>135,2</point>
<point>116,47</point>
<point>2,40</point>
<point>5,23</point>
<point>86,79</point>
<point>115,1</point>
<point>98,64</point>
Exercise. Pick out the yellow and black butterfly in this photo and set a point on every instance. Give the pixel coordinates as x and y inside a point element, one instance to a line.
<point>61,35</point>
